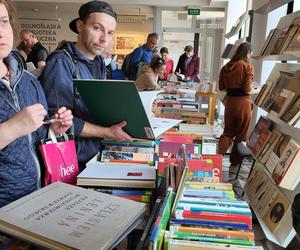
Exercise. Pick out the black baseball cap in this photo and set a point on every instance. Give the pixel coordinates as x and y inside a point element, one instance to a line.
<point>91,7</point>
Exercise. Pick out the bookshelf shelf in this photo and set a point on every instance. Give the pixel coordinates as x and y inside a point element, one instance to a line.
<point>281,57</point>
<point>270,6</point>
<point>238,25</point>
<point>285,233</point>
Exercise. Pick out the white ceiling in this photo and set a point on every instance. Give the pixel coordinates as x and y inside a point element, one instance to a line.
<point>120,6</point>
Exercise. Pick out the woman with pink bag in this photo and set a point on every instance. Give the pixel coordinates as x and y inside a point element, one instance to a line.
<point>22,118</point>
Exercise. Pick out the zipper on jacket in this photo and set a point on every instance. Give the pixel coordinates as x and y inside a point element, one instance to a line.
<point>31,149</point>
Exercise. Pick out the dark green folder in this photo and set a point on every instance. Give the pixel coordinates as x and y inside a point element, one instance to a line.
<point>112,101</point>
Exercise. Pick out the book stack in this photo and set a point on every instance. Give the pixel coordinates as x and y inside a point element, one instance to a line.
<point>176,106</point>
<point>123,169</point>
<point>209,213</point>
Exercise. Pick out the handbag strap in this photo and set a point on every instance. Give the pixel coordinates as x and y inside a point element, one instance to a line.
<point>52,135</point>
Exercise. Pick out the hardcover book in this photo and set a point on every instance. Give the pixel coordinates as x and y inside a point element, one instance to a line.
<point>276,212</point>
<point>62,216</point>
<point>117,175</point>
<point>259,135</point>
<point>281,102</point>
<point>293,114</point>
<point>113,101</point>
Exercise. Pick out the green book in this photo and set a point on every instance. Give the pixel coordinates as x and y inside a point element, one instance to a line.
<point>113,101</point>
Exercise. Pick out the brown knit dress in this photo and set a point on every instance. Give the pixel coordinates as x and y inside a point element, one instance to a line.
<point>236,78</point>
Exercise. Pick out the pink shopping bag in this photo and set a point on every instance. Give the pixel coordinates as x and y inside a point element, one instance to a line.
<point>60,160</point>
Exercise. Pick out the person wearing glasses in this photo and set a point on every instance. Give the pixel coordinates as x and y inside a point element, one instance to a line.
<point>147,80</point>
<point>83,59</point>
<point>23,114</point>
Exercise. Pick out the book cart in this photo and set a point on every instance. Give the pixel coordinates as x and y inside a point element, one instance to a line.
<point>284,231</point>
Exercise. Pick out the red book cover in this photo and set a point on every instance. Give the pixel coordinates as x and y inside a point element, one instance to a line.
<point>218,217</point>
<point>217,164</point>
<point>200,165</point>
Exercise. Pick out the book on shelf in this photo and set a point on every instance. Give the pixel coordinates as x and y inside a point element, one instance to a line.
<point>293,114</point>
<point>277,152</point>
<point>280,39</point>
<point>264,92</point>
<point>276,212</point>
<point>112,101</point>
<point>259,136</point>
<point>267,41</point>
<point>293,28</point>
<point>237,26</point>
<point>227,50</point>
<point>270,46</point>
<point>269,146</point>
<point>117,175</point>
<point>286,80</point>
<point>287,170</point>
<point>63,216</point>
<point>294,44</point>
<point>281,102</point>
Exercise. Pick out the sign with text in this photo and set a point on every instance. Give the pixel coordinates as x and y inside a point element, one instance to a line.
<point>194,11</point>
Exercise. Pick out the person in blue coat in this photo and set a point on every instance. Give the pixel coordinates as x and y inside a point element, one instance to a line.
<point>143,55</point>
<point>95,27</point>
<point>23,110</point>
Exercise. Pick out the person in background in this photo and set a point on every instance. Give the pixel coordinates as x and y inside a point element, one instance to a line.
<point>23,110</point>
<point>110,62</point>
<point>142,55</point>
<point>188,65</point>
<point>38,53</point>
<point>147,80</point>
<point>169,64</point>
<point>236,79</point>
<point>95,27</point>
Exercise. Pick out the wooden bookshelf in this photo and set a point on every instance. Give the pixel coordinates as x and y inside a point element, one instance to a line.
<point>211,105</point>
<point>270,6</point>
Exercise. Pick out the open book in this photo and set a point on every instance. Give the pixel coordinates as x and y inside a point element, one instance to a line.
<point>62,216</point>
<point>112,101</point>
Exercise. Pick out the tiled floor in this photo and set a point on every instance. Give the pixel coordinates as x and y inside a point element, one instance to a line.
<point>260,237</point>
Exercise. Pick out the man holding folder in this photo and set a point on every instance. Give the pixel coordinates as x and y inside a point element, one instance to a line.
<point>83,60</point>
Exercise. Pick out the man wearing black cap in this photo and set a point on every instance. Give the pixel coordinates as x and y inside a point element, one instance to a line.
<point>95,27</point>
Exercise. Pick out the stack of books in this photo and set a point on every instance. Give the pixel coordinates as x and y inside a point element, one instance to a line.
<point>209,213</point>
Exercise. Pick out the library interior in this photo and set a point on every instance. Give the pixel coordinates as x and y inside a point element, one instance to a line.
<point>129,124</point>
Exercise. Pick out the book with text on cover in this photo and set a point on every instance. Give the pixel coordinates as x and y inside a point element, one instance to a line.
<point>63,216</point>
<point>117,175</point>
<point>113,101</point>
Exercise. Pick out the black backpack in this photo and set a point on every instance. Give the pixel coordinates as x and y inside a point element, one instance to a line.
<point>128,69</point>
<point>126,64</point>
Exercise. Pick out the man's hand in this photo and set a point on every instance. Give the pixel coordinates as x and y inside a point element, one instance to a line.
<point>115,132</point>
<point>63,120</point>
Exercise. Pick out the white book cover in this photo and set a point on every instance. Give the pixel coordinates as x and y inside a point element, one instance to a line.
<point>118,171</point>
<point>63,216</point>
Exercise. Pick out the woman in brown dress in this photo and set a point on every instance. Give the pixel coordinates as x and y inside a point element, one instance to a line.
<point>236,79</point>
